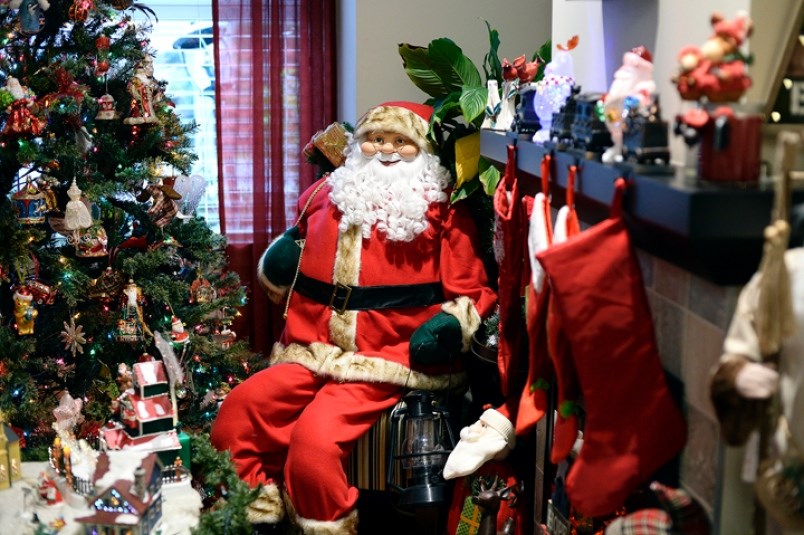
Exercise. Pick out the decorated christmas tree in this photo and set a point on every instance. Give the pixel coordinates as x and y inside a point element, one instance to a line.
<point>101,254</point>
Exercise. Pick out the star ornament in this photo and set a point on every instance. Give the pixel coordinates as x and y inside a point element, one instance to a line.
<point>73,337</point>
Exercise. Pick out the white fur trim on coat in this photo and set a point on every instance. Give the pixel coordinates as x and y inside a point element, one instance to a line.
<point>464,309</point>
<point>268,508</point>
<point>332,361</point>
<point>346,270</point>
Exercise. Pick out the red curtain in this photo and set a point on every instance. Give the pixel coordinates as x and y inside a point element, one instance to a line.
<point>275,74</point>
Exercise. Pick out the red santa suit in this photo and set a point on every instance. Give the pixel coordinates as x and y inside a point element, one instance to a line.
<point>344,357</point>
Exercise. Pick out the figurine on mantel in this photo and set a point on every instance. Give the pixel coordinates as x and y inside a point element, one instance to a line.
<point>716,70</point>
<point>551,92</point>
<point>729,141</point>
<point>634,81</point>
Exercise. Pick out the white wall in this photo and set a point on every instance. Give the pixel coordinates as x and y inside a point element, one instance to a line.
<point>371,68</point>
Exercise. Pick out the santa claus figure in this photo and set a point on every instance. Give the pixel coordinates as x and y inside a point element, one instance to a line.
<point>385,286</point>
<point>716,71</point>
<point>632,81</point>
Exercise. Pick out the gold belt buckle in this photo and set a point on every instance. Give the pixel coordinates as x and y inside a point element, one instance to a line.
<point>338,287</point>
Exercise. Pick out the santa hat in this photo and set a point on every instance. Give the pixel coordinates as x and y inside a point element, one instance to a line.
<point>407,118</point>
<point>736,30</point>
<point>639,57</point>
<point>23,294</point>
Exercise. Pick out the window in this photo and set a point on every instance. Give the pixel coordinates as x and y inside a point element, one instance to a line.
<point>182,39</point>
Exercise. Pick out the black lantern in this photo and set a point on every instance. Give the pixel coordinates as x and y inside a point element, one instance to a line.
<point>421,441</point>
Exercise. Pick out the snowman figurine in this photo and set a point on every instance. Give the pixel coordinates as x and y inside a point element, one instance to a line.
<point>553,90</point>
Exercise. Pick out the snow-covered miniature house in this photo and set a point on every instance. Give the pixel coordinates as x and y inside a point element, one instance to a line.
<point>128,494</point>
<point>10,460</point>
<point>146,415</point>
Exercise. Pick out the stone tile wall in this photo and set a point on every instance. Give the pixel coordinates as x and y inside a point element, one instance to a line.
<point>691,317</point>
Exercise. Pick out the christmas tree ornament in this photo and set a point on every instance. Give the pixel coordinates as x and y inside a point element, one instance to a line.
<point>178,334</point>
<point>43,294</point>
<point>30,204</point>
<point>144,92</point>
<point>25,312</point>
<point>66,88</point>
<point>201,291</point>
<point>79,10</point>
<point>131,326</point>
<point>92,241</point>
<point>31,14</point>
<point>76,215</point>
<point>225,337</point>
<point>163,206</point>
<point>102,43</point>
<point>191,190</point>
<point>22,119</point>
<point>107,286</point>
<point>46,184</point>
<point>68,415</point>
<point>106,108</point>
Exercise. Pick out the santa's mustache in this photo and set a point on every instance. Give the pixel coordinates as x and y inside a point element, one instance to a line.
<point>388,158</point>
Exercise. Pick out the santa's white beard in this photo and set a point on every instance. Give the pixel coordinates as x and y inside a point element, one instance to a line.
<point>393,198</point>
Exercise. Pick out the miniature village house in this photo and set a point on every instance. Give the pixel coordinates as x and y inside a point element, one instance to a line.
<point>10,460</point>
<point>128,494</point>
<point>145,414</point>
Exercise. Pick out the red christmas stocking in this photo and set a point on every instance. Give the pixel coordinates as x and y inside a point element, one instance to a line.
<point>633,426</point>
<point>533,400</point>
<point>565,430</point>
<point>509,252</point>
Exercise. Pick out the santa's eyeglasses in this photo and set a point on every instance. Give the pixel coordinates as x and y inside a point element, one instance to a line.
<point>380,139</point>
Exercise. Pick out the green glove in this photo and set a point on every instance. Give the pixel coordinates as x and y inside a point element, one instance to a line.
<point>278,263</point>
<point>436,340</point>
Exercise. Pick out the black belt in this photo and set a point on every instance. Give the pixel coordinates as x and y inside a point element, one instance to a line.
<point>341,297</point>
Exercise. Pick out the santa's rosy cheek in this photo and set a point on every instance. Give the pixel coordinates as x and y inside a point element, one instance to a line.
<point>368,148</point>
<point>408,152</point>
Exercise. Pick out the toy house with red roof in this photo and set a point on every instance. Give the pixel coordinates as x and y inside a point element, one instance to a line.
<point>128,494</point>
<point>146,414</point>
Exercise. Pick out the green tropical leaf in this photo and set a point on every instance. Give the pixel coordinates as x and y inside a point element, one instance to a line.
<point>464,191</point>
<point>491,62</point>
<point>489,176</point>
<point>544,54</point>
<point>418,67</point>
<point>446,108</point>
<point>473,103</point>
<point>454,69</point>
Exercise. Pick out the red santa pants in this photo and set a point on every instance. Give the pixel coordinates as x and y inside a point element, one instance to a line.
<point>286,420</point>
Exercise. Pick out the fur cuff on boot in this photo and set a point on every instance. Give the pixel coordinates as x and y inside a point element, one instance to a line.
<point>346,525</point>
<point>268,508</point>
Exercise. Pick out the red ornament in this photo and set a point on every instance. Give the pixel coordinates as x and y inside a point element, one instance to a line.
<point>79,10</point>
<point>102,62</point>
